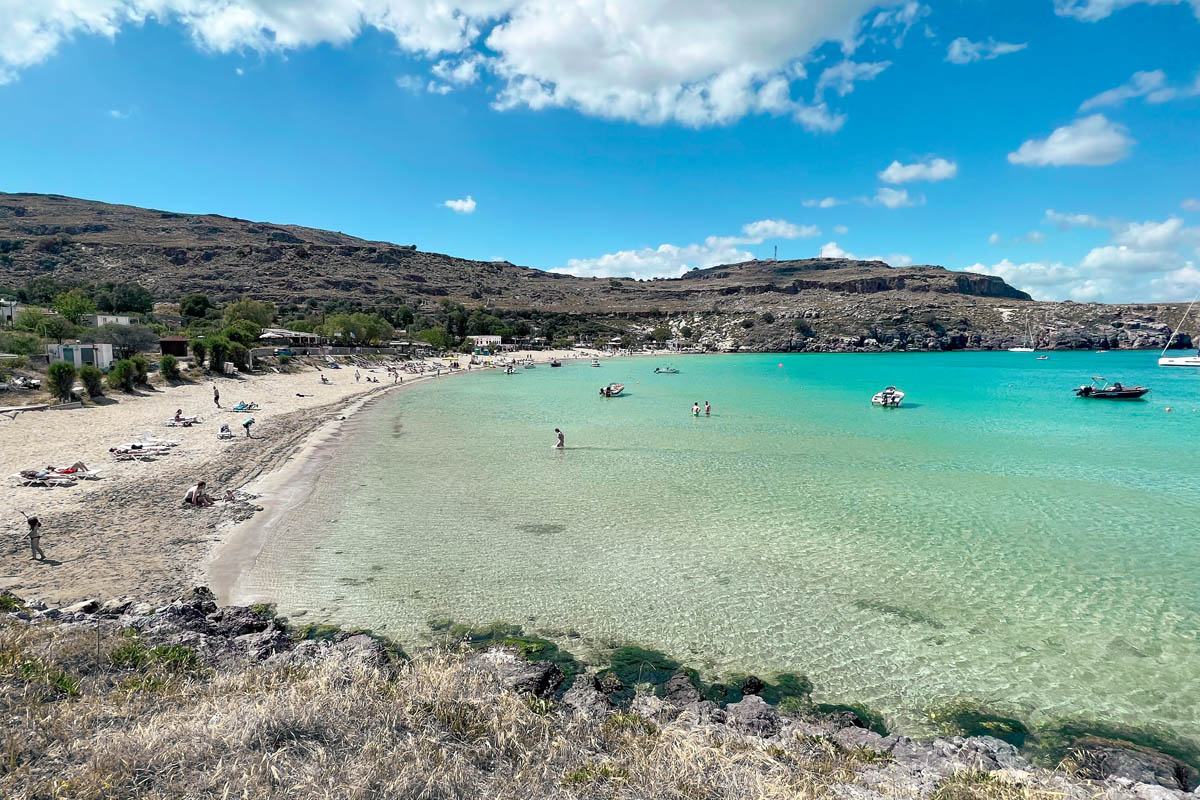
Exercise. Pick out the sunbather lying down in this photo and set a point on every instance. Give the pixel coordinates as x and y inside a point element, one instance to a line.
<point>78,466</point>
<point>244,406</point>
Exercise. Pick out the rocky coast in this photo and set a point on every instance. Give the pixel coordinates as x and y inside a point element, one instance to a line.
<point>128,699</point>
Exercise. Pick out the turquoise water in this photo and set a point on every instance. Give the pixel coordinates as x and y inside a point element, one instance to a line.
<point>995,539</point>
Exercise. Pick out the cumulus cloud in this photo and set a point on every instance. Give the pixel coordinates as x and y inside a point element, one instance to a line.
<point>1150,85</point>
<point>671,261</point>
<point>648,61</point>
<point>831,250</point>
<point>1190,204</point>
<point>896,198</point>
<point>1142,261</point>
<point>963,51</point>
<point>465,205</point>
<point>938,169</point>
<point>1091,141</point>
<point>825,202</point>
<point>1093,10</point>
<point>840,230</point>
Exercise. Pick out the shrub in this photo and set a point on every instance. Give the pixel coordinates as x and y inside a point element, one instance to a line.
<point>93,380</point>
<point>767,317</point>
<point>748,323</point>
<point>199,350</point>
<point>62,379</point>
<point>239,354</point>
<point>141,369</point>
<point>24,344</point>
<point>121,375</point>
<point>169,367</point>
<point>284,361</point>
<point>218,352</point>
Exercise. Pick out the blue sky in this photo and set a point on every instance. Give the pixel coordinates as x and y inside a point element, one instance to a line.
<point>1052,142</point>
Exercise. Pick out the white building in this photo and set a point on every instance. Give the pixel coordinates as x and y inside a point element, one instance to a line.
<point>282,337</point>
<point>106,319</point>
<point>101,355</point>
<point>485,342</point>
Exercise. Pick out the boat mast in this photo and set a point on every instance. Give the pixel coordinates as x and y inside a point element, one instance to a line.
<point>1180,325</point>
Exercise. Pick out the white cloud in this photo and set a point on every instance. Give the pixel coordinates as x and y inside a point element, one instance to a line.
<point>465,205</point>
<point>831,250</point>
<point>1093,10</point>
<point>648,61</point>
<point>840,230</point>
<point>963,51</point>
<point>671,261</point>
<point>842,76</point>
<point>1065,221</point>
<point>1190,204</point>
<point>1156,235</point>
<point>411,83</point>
<point>827,202</point>
<point>1035,237</point>
<point>903,18</point>
<point>117,113</point>
<point>896,198</point>
<point>777,229</point>
<point>1150,85</point>
<point>1092,141</point>
<point>994,239</point>
<point>239,71</point>
<point>938,169</point>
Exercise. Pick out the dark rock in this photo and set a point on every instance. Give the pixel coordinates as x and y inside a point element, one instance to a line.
<point>200,598</point>
<point>680,691</point>
<point>265,643</point>
<point>235,621</point>
<point>845,719</point>
<point>1109,758</point>
<point>858,738</point>
<point>753,715</point>
<point>115,607</point>
<point>514,672</point>
<point>609,683</point>
<point>586,697</point>
<point>372,651</point>
<point>753,685</point>
<point>707,712</point>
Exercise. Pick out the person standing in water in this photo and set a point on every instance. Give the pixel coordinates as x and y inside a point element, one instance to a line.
<point>707,409</point>
<point>695,409</point>
<point>561,444</point>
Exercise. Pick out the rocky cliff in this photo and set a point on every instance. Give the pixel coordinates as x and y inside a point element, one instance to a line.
<point>810,304</point>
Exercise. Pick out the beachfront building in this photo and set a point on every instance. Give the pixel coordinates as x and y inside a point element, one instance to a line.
<point>8,312</point>
<point>96,320</point>
<point>173,346</point>
<point>281,337</point>
<point>98,354</point>
<point>485,342</point>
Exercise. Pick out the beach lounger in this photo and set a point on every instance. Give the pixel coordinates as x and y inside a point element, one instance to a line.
<point>151,439</point>
<point>40,479</point>
<point>186,422</point>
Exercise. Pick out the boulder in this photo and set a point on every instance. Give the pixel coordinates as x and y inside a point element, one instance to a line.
<point>540,678</point>
<point>753,685</point>
<point>609,683</point>
<point>115,607</point>
<point>1109,758</point>
<point>753,715</point>
<point>368,650</point>
<point>707,712</point>
<point>845,719</point>
<point>859,738</point>
<point>680,691</point>
<point>266,643</point>
<point>235,621</point>
<point>201,598</point>
<point>585,697</point>
<point>82,607</point>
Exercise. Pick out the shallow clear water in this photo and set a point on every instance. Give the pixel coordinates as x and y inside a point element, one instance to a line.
<point>996,538</point>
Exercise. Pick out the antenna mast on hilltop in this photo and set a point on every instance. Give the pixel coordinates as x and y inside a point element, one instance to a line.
<point>776,256</point>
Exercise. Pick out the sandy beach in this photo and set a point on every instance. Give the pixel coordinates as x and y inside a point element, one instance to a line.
<point>128,534</point>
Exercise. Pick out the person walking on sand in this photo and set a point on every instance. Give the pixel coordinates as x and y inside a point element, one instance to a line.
<point>561,444</point>
<point>216,395</point>
<point>356,376</point>
<point>707,409</point>
<point>35,537</point>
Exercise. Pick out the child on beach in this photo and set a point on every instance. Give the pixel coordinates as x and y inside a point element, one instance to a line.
<point>35,537</point>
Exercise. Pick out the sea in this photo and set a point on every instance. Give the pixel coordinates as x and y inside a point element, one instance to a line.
<point>995,540</point>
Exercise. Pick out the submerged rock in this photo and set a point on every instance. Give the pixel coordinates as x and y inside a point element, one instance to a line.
<point>1109,758</point>
<point>680,691</point>
<point>753,715</point>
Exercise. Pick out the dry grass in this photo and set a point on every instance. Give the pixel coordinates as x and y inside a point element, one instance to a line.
<point>130,720</point>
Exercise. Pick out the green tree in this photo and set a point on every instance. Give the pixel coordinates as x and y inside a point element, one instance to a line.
<point>168,367</point>
<point>42,290</point>
<point>255,311</point>
<point>128,340</point>
<point>194,305</point>
<point>56,328</point>
<point>62,379</point>
<point>218,352</point>
<point>74,305</point>
<point>93,380</point>
<point>239,354</point>
<point>28,319</point>
<point>438,337</point>
<point>685,332</point>
<point>121,376</point>
<point>199,349</point>
<point>660,334</point>
<point>243,331</point>
<point>132,297</point>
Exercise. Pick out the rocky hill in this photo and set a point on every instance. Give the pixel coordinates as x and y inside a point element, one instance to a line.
<point>811,304</point>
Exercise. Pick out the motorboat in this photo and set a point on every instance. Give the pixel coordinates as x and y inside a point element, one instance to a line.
<point>1042,358</point>
<point>668,370</point>
<point>1020,349</point>
<point>509,370</point>
<point>530,365</point>
<point>612,390</point>
<point>891,397</point>
<point>1100,390</point>
<point>595,362</point>
<point>556,363</point>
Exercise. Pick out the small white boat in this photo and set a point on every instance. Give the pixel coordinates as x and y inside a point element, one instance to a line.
<point>1020,349</point>
<point>891,397</point>
<point>530,365</point>
<point>667,370</point>
<point>1042,358</point>
<point>612,390</point>
<point>595,362</point>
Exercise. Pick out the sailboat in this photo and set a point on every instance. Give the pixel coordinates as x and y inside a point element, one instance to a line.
<point>1179,361</point>
<point>1029,345</point>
